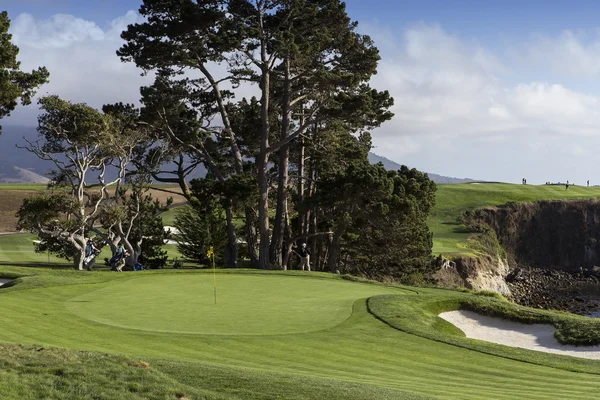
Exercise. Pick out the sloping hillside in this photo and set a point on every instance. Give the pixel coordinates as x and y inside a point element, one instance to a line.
<point>391,165</point>
<point>11,174</point>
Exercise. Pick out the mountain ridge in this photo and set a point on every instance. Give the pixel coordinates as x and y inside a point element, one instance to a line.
<point>31,169</point>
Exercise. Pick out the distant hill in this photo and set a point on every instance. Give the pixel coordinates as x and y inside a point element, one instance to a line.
<point>391,165</point>
<point>11,174</point>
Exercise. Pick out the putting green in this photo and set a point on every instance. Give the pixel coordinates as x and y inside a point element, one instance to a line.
<point>245,304</point>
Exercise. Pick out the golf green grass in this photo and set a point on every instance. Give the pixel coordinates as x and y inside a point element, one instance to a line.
<point>185,304</point>
<point>453,200</point>
<point>349,354</point>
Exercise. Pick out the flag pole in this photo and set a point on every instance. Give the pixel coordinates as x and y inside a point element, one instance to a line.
<point>211,254</point>
<point>214,274</point>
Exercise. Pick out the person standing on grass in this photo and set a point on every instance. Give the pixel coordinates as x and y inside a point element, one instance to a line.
<point>118,261</point>
<point>304,257</point>
<point>91,252</point>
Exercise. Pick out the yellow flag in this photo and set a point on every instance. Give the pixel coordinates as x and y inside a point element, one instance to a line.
<point>211,252</point>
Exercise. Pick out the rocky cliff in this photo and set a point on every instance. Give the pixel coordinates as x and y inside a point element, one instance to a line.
<point>562,235</point>
<point>476,273</point>
<point>544,254</point>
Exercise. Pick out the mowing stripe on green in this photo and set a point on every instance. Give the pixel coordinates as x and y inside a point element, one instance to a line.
<point>360,349</point>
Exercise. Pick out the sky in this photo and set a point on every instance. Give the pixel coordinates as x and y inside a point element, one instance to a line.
<point>491,90</point>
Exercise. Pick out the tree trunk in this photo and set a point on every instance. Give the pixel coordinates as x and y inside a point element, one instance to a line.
<point>251,239</point>
<point>231,248</point>
<point>334,252</point>
<point>263,213</point>
<point>311,221</point>
<point>78,260</point>
<point>79,242</point>
<point>301,213</point>
<point>282,183</point>
<point>263,158</point>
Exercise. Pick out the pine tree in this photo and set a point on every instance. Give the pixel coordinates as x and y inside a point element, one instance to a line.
<point>15,84</point>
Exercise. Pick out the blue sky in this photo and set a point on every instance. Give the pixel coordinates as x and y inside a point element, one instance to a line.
<point>485,19</point>
<point>495,90</point>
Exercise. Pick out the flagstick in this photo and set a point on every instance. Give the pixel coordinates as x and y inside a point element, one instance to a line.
<point>215,278</point>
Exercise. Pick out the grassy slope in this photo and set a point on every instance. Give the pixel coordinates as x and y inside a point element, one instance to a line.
<point>453,200</point>
<point>360,350</point>
<point>419,315</point>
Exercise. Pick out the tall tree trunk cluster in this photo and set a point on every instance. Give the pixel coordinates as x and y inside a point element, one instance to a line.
<point>310,67</point>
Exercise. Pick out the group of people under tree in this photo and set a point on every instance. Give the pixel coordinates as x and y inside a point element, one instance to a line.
<point>117,262</point>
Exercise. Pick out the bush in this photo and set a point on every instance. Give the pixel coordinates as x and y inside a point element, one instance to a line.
<point>200,230</point>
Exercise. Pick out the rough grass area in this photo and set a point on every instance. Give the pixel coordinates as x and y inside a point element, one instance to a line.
<point>360,357</point>
<point>419,315</point>
<point>450,237</point>
<point>10,201</point>
<point>38,372</point>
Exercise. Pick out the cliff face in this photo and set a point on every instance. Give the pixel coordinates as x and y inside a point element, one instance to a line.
<point>562,235</point>
<point>476,273</point>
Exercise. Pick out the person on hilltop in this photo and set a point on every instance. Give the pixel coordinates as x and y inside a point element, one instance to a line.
<point>304,257</point>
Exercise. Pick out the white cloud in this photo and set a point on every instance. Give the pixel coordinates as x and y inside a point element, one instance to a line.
<point>444,85</point>
<point>81,57</point>
<point>570,53</point>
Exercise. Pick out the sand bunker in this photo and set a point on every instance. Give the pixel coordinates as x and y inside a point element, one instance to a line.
<point>539,337</point>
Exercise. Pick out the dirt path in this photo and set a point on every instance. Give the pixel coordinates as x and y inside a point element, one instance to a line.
<point>539,337</point>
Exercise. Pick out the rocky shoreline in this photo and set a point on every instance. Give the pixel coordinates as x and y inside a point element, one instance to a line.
<point>575,292</point>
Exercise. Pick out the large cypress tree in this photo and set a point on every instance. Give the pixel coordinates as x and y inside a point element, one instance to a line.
<point>305,57</point>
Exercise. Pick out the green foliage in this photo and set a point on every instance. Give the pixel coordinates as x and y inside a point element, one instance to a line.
<point>15,84</point>
<point>490,293</point>
<point>45,214</point>
<point>378,221</point>
<point>312,73</point>
<point>200,227</point>
<point>484,239</point>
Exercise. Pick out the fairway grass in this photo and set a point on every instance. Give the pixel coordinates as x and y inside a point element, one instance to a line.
<point>357,357</point>
<point>452,200</point>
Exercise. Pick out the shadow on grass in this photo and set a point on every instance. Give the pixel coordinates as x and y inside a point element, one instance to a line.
<point>462,229</point>
<point>459,227</point>
<point>34,264</point>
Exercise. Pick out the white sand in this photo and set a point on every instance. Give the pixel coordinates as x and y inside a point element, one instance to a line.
<point>537,337</point>
<point>4,281</point>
